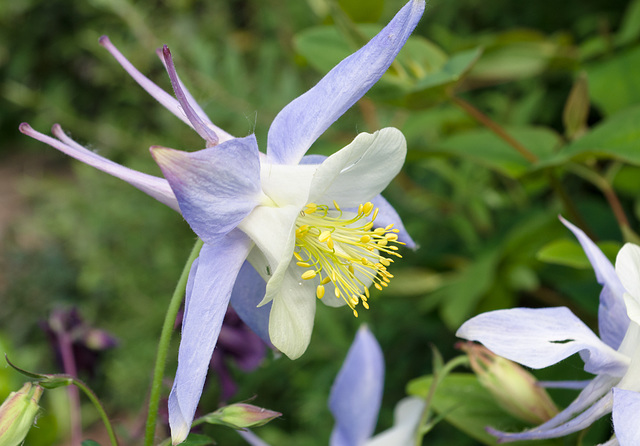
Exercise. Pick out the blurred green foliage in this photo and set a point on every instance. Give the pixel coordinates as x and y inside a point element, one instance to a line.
<point>484,215</point>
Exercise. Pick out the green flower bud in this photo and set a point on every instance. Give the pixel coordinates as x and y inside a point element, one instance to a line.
<point>18,413</point>
<point>515,390</point>
<point>241,415</point>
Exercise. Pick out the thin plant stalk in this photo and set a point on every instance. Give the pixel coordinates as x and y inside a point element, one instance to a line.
<point>69,366</point>
<point>163,346</point>
<point>96,402</point>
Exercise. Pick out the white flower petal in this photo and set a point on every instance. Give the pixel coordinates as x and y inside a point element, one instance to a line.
<point>292,313</point>
<point>361,170</point>
<point>406,418</point>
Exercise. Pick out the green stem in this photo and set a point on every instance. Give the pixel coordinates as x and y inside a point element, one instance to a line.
<point>437,378</point>
<point>96,402</point>
<point>163,346</point>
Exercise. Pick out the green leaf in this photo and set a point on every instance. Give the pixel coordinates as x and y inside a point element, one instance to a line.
<point>90,443</point>
<point>516,54</point>
<point>468,406</point>
<point>485,148</point>
<point>357,13</point>
<point>613,83</point>
<point>616,137</point>
<point>569,253</point>
<point>630,28</point>
<point>197,440</point>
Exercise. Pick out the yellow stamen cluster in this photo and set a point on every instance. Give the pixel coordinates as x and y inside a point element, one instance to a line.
<point>344,251</point>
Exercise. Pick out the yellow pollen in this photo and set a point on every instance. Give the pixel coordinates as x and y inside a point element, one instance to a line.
<point>343,248</point>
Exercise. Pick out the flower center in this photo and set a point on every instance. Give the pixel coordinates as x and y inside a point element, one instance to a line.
<point>345,251</point>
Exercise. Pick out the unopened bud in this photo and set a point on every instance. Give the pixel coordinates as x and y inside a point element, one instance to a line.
<point>18,413</point>
<point>241,415</point>
<point>515,390</point>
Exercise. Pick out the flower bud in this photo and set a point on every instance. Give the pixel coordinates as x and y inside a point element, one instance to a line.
<point>241,415</point>
<point>515,390</point>
<point>18,413</point>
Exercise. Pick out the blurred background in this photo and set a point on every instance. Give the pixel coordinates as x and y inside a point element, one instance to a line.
<point>485,217</point>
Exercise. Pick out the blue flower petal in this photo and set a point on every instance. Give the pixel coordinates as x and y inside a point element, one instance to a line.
<point>247,293</point>
<point>541,337</point>
<point>216,187</point>
<point>209,289</point>
<point>626,407</point>
<point>357,392</point>
<point>304,119</point>
<point>612,313</point>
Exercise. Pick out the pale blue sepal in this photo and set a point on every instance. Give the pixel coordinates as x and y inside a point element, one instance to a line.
<point>247,293</point>
<point>357,392</point>
<point>540,337</point>
<point>209,289</point>
<point>217,187</point>
<point>626,407</point>
<point>304,119</point>
<point>581,421</point>
<point>612,312</point>
<point>388,215</point>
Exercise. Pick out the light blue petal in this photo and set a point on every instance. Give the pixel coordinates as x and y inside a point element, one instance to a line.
<point>612,313</point>
<point>541,337</point>
<point>157,188</point>
<point>210,284</point>
<point>388,215</point>
<point>304,119</point>
<point>247,293</point>
<point>251,438</point>
<point>357,392</point>
<point>217,187</point>
<point>581,421</point>
<point>626,407</point>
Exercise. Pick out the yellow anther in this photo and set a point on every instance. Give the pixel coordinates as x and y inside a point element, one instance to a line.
<point>330,243</point>
<point>303,264</point>
<point>297,256</point>
<point>365,239</point>
<point>367,208</point>
<point>324,236</point>
<point>337,292</point>
<point>365,304</point>
<point>384,284</point>
<point>354,300</point>
<point>393,248</point>
<point>368,226</point>
<point>366,292</point>
<point>391,237</point>
<point>377,286</point>
<point>383,242</point>
<point>375,214</point>
<point>351,269</point>
<point>355,313</point>
<point>325,281</point>
<point>360,209</point>
<point>396,230</point>
<point>308,274</point>
<point>378,231</point>
<point>311,208</point>
<point>388,227</point>
<point>335,205</point>
<point>320,291</point>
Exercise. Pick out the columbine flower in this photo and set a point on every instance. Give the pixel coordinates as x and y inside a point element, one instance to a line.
<point>538,338</point>
<point>355,401</point>
<point>306,225</point>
